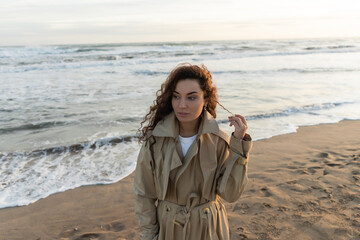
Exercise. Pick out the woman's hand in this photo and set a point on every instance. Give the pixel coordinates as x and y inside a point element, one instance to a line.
<point>240,125</point>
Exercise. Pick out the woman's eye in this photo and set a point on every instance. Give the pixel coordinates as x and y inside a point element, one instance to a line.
<point>176,97</point>
<point>192,98</point>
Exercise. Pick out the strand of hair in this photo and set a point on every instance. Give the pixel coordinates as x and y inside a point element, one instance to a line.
<point>224,108</point>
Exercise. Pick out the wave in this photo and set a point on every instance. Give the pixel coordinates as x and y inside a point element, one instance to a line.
<point>68,64</point>
<point>31,126</point>
<point>236,52</point>
<point>73,58</point>
<point>317,70</point>
<point>130,119</point>
<point>281,70</point>
<point>104,61</point>
<point>330,47</point>
<point>82,50</point>
<point>308,109</point>
<point>6,110</point>
<point>150,73</point>
<point>30,63</point>
<point>107,57</point>
<point>50,124</point>
<point>293,53</point>
<point>289,70</point>
<point>75,148</point>
<point>29,176</point>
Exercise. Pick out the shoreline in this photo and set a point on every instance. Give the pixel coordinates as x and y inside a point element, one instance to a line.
<point>126,175</point>
<point>297,185</point>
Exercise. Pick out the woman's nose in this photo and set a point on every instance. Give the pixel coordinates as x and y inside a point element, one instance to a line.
<point>182,103</point>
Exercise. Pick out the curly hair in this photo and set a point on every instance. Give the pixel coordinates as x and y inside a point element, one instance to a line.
<point>162,105</point>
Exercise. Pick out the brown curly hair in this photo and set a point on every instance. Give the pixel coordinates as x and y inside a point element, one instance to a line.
<point>162,105</point>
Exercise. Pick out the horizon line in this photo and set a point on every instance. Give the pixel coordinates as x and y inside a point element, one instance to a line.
<point>181,41</point>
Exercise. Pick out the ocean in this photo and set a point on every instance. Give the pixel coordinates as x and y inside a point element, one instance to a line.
<point>69,114</point>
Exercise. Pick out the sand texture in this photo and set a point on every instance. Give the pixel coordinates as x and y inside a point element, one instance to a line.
<point>304,185</point>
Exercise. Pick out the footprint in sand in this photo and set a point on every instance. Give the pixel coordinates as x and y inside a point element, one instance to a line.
<point>264,192</point>
<point>292,182</point>
<point>241,207</point>
<point>88,236</point>
<point>323,155</point>
<point>114,226</point>
<point>242,236</point>
<point>309,170</point>
<point>333,164</point>
<point>298,163</point>
<point>302,171</point>
<point>266,205</point>
<point>354,160</point>
<point>313,170</point>
<point>356,178</point>
<point>283,209</point>
<point>69,233</point>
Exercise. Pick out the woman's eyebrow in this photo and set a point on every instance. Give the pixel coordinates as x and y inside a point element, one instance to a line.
<point>187,93</point>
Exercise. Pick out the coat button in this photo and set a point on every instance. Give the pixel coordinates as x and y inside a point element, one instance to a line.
<point>206,211</point>
<point>168,209</point>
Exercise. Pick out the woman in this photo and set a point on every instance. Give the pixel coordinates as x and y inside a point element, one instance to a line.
<point>186,163</point>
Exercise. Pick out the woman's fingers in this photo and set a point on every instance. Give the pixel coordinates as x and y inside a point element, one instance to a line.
<point>236,121</point>
<point>239,122</point>
<point>238,118</point>
<point>243,119</point>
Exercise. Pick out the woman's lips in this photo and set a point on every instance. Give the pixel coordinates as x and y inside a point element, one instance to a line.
<point>182,114</point>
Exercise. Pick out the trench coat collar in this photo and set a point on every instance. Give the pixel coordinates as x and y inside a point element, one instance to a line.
<point>169,127</point>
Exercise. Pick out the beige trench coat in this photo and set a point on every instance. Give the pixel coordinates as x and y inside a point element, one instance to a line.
<point>196,211</point>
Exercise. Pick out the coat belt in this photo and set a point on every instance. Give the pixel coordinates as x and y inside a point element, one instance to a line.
<point>181,213</point>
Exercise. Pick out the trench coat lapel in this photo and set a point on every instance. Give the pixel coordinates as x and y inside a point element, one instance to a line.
<point>168,128</point>
<point>207,151</point>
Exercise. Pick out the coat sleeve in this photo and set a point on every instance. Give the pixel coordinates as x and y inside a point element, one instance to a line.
<point>233,173</point>
<point>145,195</point>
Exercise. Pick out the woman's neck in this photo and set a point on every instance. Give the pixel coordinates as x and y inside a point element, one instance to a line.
<point>189,129</point>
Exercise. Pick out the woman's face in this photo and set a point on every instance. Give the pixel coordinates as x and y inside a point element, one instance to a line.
<point>188,100</point>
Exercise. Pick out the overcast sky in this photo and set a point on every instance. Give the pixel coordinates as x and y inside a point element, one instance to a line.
<point>34,22</point>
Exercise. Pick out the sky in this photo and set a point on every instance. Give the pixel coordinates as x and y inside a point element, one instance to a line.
<point>37,22</point>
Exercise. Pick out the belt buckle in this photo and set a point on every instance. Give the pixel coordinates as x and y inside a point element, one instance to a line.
<point>183,213</point>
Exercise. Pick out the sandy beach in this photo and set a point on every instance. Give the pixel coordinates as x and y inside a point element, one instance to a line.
<point>304,185</point>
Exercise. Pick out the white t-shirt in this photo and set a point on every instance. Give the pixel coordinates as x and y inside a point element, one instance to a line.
<point>186,143</point>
